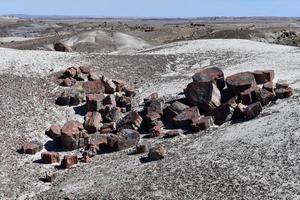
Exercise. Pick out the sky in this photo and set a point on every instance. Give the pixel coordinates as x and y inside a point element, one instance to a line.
<point>152,8</point>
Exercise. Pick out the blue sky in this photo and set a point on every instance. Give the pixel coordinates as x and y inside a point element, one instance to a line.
<point>152,8</point>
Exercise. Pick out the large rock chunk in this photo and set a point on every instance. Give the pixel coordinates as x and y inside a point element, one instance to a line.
<point>133,120</point>
<point>50,157</point>
<point>263,76</point>
<point>222,114</point>
<point>252,110</point>
<point>250,95</point>
<point>157,153</point>
<point>204,95</point>
<point>31,148</point>
<point>93,87</point>
<point>174,109</point>
<point>156,106</point>
<point>265,96</point>
<point>109,85</point>
<point>94,102</point>
<point>70,134</point>
<point>54,132</point>
<point>202,123</point>
<point>92,122</point>
<point>239,82</point>
<point>186,117</point>
<point>210,75</point>
<point>127,138</point>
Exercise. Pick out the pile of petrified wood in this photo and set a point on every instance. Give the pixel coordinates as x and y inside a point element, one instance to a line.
<point>111,123</point>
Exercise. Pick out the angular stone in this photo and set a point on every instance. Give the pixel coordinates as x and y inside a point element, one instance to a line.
<point>94,102</point>
<point>202,123</point>
<point>92,122</point>
<point>265,96</point>
<point>108,128</point>
<point>85,69</point>
<point>156,106</point>
<point>282,93</point>
<point>173,133</point>
<point>204,95</point>
<point>210,75</point>
<point>68,82</point>
<point>239,82</point>
<point>174,109</point>
<point>93,87</point>
<point>124,101</point>
<point>54,132</point>
<point>133,119</point>
<point>129,91</point>
<point>50,157</point>
<point>69,161</point>
<point>110,100</point>
<point>111,114</point>
<point>185,118</point>
<point>269,86</point>
<point>250,95</point>
<point>152,119</point>
<point>31,148</point>
<point>70,134</point>
<point>157,153</point>
<point>150,98</point>
<point>109,85</point>
<point>156,131</point>
<point>127,138</point>
<point>252,110</point>
<point>264,76</point>
<point>71,72</point>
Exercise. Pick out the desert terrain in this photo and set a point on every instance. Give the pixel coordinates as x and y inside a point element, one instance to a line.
<point>256,159</point>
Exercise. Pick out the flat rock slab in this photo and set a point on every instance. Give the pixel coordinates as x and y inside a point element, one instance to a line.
<point>239,82</point>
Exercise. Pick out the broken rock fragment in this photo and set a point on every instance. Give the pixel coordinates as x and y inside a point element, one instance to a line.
<point>94,102</point>
<point>109,86</point>
<point>133,120</point>
<point>282,93</point>
<point>93,87</point>
<point>240,82</point>
<point>204,95</point>
<point>68,82</point>
<point>263,76</point>
<point>252,111</point>
<point>265,96</point>
<point>70,134</point>
<point>150,98</point>
<point>69,161</point>
<point>54,132</point>
<point>125,139</point>
<point>157,153</point>
<point>186,117</point>
<point>202,123</point>
<point>50,157</point>
<point>250,95</point>
<point>173,133</point>
<point>31,148</point>
<point>92,122</point>
<point>210,75</point>
<point>269,86</point>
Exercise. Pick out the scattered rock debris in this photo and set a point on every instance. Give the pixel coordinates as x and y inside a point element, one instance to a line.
<point>112,122</point>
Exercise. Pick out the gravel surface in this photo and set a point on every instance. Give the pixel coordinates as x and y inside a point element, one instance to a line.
<point>258,159</point>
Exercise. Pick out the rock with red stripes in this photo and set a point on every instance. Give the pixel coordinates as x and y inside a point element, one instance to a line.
<point>133,120</point>
<point>264,76</point>
<point>92,121</point>
<point>70,134</point>
<point>153,119</point>
<point>202,123</point>
<point>94,102</point>
<point>282,93</point>
<point>186,117</point>
<point>250,95</point>
<point>54,132</point>
<point>204,95</point>
<point>31,148</point>
<point>158,152</point>
<point>213,74</point>
<point>93,87</point>
<point>50,157</point>
<point>156,131</point>
<point>265,96</point>
<point>108,128</point>
<point>69,161</point>
<point>240,82</point>
<point>156,106</point>
<point>252,110</point>
<point>174,109</point>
